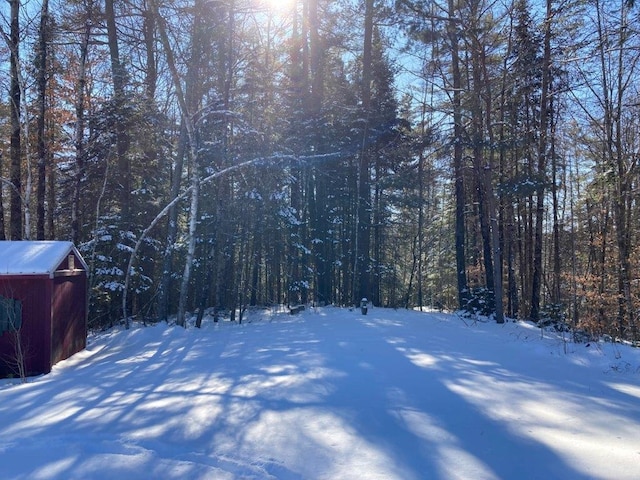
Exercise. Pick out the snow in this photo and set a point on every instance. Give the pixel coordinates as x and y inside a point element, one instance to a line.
<point>33,257</point>
<point>329,394</point>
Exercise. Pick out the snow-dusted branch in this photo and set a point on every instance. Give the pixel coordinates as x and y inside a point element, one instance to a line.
<point>6,181</point>
<point>188,191</point>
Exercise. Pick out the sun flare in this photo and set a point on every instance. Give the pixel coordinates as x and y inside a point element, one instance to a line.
<point>278,6</point>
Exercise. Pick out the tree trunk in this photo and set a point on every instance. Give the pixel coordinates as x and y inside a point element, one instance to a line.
<point>188,120</point>
<point>79,133</point>
<point>172,228</point>
<point>191,242</point>
<point>189,102</point>
<point>2,224</point>
<point>458,165</point>
<point>118,75</point>
<point>623,202</point>
<point>492,202</point>
<point>556,294</point>
<point>191,139</point>
<point>364,176</point>
<point>536,285</point>
<point>151,72</point>
<point>42,77</point>
<point>16,129</point>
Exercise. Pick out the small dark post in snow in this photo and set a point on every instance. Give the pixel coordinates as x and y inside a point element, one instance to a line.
<point>363,306</point>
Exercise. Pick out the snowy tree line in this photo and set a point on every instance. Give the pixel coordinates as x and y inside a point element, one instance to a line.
<point>455,153</point>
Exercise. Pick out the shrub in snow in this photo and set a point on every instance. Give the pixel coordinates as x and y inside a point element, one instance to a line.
<point>479,301</point>
<point>553,316</point>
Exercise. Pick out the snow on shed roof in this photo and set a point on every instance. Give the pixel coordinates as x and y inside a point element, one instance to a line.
<point>34,257</point>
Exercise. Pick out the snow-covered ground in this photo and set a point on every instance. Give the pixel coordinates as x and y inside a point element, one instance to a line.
<point>329,394</point>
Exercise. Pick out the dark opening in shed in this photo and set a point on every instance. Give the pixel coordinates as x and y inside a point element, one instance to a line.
<point>43,305</point>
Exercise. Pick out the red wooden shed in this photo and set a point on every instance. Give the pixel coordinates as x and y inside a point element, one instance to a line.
<point>43,305</point>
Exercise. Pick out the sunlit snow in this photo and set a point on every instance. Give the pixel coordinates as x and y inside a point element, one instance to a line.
<point>328,394</point>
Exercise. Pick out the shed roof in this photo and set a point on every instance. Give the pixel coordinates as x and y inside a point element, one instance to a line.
<point>34,257</point>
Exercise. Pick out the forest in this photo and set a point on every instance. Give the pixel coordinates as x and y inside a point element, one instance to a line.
<point>477,155</point>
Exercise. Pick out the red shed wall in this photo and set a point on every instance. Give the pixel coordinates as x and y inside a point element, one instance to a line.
<point>35,294</point>
<point>69,316</point>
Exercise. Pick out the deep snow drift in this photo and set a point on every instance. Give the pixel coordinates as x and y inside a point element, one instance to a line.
<point>329,394</point>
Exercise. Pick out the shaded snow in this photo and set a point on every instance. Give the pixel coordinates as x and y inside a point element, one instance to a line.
<point>329,394</point>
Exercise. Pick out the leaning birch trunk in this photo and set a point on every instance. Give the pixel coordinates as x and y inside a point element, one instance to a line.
<point>165,211</point>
